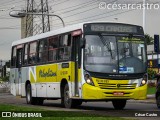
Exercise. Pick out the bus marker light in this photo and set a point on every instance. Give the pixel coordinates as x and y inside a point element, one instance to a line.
<point>76,33</point>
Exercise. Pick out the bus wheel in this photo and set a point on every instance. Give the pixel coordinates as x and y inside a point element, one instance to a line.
<point>29,98</point>
<point>158,101</point>
<point>119,104</point>
<point>68,102</point>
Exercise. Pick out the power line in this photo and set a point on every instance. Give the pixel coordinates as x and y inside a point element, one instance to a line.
<point>2,28</point>
<point>10,3</point>
<point>80,6</point>
<point>6,18</point>
<point>61,2</point>
<point>94,16</point>
<point>86,10</point>
<point>85,19</point>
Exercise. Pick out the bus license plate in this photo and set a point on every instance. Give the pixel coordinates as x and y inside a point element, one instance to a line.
<point>118,93</point>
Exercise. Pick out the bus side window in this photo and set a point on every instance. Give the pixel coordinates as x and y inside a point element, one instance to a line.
<point>53,48</point>
<point>65,47</point>
<point>13,59</point>
<point>33,53</point>
<point>43,51</point>
<point>25,56</point>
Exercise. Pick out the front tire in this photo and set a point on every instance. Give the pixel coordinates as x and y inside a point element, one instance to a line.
<point>68,102</point>
<point>119,104</point>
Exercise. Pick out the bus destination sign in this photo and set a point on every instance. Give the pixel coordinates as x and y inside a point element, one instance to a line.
<point>115,28</point>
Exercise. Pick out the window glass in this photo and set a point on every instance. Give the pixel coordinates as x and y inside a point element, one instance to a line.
<point>43,51</point>
<point>53,48</point>
<point>25,54</point>
<point>32,53</point>
<point>13,63</point>
<point>65,47</point>
<point>115,54</point>
<point>101,54</point>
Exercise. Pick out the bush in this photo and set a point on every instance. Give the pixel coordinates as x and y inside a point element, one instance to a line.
<point>5,79</point>
<point>151,74</point>
<point>151,84</point>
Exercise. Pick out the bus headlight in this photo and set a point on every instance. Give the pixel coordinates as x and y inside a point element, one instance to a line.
<point>88,79</point>
<point>144,80</point>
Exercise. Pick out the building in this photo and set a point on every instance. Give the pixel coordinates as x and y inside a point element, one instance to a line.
<point>153,58</point>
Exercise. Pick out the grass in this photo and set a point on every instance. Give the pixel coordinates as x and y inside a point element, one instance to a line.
<point>51,115</point>
<point>151,90</point>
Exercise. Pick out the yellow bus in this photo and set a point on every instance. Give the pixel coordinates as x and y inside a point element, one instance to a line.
<point>93,61</point>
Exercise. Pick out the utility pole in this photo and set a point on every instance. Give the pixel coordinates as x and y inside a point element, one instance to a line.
<point>1,63</point>
<point>36,24</point>
<point>0,68</point>
<point>144,17</point>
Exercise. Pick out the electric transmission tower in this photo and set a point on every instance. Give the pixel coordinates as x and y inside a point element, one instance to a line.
<point>36,24</point>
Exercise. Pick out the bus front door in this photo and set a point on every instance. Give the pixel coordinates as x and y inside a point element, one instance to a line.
<point>77,59</point>
<point>18,77</point>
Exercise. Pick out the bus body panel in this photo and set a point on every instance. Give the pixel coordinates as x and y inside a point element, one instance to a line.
<point>15,79</point>
<point>109,91</point>
<point>45,79</point>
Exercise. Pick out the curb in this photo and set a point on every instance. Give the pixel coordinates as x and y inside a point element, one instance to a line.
<point>143,101</point>
<point>150,99</point>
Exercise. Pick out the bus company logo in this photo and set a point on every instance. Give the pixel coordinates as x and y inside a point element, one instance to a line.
<point>20,115</point>
<point>118,85</point>
<point>49,73</point>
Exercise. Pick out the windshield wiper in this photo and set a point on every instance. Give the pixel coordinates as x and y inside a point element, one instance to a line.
<point>105,43</point>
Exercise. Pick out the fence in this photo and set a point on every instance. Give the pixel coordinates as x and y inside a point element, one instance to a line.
<point>4,87</point>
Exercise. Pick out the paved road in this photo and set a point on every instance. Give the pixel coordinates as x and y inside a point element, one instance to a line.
<point>101,108</point>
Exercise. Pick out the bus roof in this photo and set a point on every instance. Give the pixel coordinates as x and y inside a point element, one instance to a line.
<point>49,34</point>
<point>57,32</point>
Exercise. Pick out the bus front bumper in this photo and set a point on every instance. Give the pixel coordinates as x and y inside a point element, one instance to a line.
<point>95,93</point>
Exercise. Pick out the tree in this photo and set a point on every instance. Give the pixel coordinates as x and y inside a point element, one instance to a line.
<point>149,39</point>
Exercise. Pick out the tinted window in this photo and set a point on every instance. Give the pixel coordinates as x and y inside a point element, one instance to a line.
<point>43,51</point>
<point>65,47</point>
<point>33,53</point>
<point>53,48</point>
<point>25,59</point>
<point>13,61</point>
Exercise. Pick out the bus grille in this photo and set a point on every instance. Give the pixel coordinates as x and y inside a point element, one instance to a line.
<point>117,86</point>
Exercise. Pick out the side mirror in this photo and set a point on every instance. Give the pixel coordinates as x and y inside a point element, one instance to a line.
<point>82,42</point>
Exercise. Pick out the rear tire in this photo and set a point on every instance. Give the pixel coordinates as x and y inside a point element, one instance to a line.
<point>29,98</point>
<point>119,104</point>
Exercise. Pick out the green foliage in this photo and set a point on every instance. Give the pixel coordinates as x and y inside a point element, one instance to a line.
<point>149,39</point>
<point>151,90</point>
<point>151,74</point>
<point>5,79</point>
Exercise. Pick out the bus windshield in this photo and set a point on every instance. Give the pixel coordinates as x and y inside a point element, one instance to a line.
<point>115,54</point>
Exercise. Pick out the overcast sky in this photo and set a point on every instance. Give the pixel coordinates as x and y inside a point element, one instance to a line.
<point>72,12</point>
